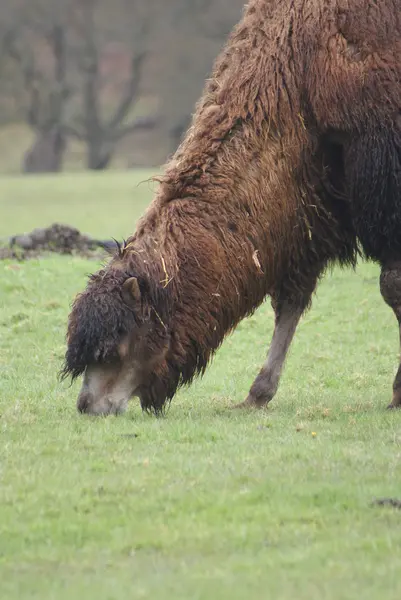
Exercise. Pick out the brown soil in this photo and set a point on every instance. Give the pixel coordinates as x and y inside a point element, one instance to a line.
<point>393,502</point>
<point>57,238</point>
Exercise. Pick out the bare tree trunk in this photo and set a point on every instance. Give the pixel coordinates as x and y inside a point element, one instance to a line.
<point>102,136</point>
<point>46,153</point>
<point>45,110</point>
<point>97,158</point>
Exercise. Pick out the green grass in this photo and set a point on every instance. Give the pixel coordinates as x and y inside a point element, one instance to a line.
<point>206,503</point>
<point>100,204</point>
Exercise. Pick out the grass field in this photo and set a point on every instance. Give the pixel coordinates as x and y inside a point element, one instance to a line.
<point>206,503</point>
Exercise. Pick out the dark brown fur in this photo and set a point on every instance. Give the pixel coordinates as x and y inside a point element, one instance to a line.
<point>297,127</point>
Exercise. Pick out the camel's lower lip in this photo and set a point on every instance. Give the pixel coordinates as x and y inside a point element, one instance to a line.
<point>90,404</point>
<point>102,407</point>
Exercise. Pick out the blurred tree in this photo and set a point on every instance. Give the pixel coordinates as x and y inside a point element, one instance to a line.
<point>101,135</point>
<point>58,48</point>
<point>121,77</point>
<point>45,102</point>
<point>37,44</point>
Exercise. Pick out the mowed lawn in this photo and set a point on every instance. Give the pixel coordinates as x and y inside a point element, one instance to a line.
<point>206,503</point>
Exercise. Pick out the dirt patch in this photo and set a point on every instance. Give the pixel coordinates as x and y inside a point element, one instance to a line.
<point>59,239</point>
<point>392,502</point>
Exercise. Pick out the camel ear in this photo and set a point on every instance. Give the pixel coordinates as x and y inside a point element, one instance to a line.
<point>131,293</point>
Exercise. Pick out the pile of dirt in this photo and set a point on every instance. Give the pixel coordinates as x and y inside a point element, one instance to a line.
<point>57,238</point>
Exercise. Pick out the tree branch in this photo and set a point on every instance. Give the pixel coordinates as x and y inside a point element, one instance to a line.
<point>90,69</point>
<point>71,131</point>
<point>31,79</point>
<point>131,93</point>
<point>118,134</point>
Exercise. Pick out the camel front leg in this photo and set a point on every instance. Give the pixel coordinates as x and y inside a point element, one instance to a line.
<point>266,383</point>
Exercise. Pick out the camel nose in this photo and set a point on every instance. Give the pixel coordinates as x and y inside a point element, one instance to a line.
<point>85,400</point>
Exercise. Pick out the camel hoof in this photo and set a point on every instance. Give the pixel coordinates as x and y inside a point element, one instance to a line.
<point>242,405</point>
<point>250,403</point>
<point>394,406</point>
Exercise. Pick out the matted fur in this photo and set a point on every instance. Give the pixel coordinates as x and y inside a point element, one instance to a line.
<point>292,160</point>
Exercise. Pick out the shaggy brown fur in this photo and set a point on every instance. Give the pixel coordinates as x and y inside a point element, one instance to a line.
<point>293,158</point>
